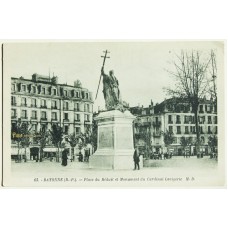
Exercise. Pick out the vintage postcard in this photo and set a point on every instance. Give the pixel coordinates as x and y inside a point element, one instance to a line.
<point>131,113</point>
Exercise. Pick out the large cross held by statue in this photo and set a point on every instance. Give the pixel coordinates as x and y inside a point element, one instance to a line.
<point>105,57</point>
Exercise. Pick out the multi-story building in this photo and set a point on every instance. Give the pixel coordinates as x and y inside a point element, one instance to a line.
<point>43,102</point>
<point>174,115</point>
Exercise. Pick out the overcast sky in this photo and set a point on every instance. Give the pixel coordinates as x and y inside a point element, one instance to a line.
<point>140,67</point>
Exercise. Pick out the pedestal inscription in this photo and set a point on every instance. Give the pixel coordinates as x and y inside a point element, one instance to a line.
<point>106,139</point>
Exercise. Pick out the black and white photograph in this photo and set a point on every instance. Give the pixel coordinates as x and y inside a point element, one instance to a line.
<point>129,114</point>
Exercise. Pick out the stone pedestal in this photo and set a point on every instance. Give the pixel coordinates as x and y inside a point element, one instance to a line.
<point>115,147</point>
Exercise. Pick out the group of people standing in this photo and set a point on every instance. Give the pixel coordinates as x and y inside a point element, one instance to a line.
<point>81,158</point>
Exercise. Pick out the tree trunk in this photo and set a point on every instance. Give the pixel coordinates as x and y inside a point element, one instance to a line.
<point>18,152</point>
<point>57,155</point>
<point>195,110</point>
<point>41,154</point>
<point>25,155</point>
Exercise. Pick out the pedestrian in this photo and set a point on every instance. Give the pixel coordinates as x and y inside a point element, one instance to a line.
<point>64,157</point>
<point>80,158</point>
<point>136,159</point>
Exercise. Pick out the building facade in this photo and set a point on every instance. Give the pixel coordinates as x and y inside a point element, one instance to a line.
<point>43,102</point>
<point>176,116</point>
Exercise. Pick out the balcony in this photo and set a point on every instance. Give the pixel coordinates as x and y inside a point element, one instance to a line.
<point>33,105</point>
<point>54,107</point>
<point>170,122</point>
<point>77,109</point>
<point>156,134</point>
<point>43,119</point>
<point>145,124</point>
<point>187,122</point>
<point>54,119</point>
<point>24,105</point>
<point>87,122</point>
<point>24,117</point>
<point>34,117</point>
<point>66,120</point>
<point>178,122</point>
<point>66,108</point>
<point>186,132</point>
<point>157,124</point>
<point>43,106</point>
<point>14,117</point>
<point>77,122</point>
<point>14,104</point>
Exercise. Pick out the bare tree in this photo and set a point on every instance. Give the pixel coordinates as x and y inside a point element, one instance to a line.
<point>191,76</point>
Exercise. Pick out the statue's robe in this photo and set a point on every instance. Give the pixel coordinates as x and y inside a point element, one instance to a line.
<point>111,91</point>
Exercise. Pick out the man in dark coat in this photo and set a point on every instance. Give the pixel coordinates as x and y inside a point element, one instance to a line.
<point>136,159</point>
<point>64,157</point>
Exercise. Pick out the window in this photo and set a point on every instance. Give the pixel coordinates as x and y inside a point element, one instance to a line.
<point>34,127</point>
<point>65,116</point>
<point>33,89</point>
<point>194,129</point>
<point>201,119</point>
<point>77,94</point>
<point>216,130</point>
<point>201,108</point>
<point>186,119</point>
<point>178,119</point>
<point>170,128</point>
<point>43,127</point>
<point>54,104</point>
<point>215,120</point>
<point>86,117</point>
<point>178,130</point>
<point>33,102</point>
<point>76,107</point>
<point>88,108</point>
<point>34,114</point>
<point>23,88</point>
<point>43,115</point>
<point>65,93</point>
<point>209,120</point>
<point>65,105</point>
<point>13,100</point>
<point>170,119</point>
<point>87,96</point>
<point>209,129</point>
<point>54,92</point>
<point>54,115</point>
<point>24,114</point>
<point>77,117</point>
<point>66,128</point>
<point>13,87</point>
<point>43,103</point>
<point>77,130</point>
<point>13,113</point>
<point>186,130</point>
<point>23,101</point>
<point>193,119</point>
<point>43,90</point>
